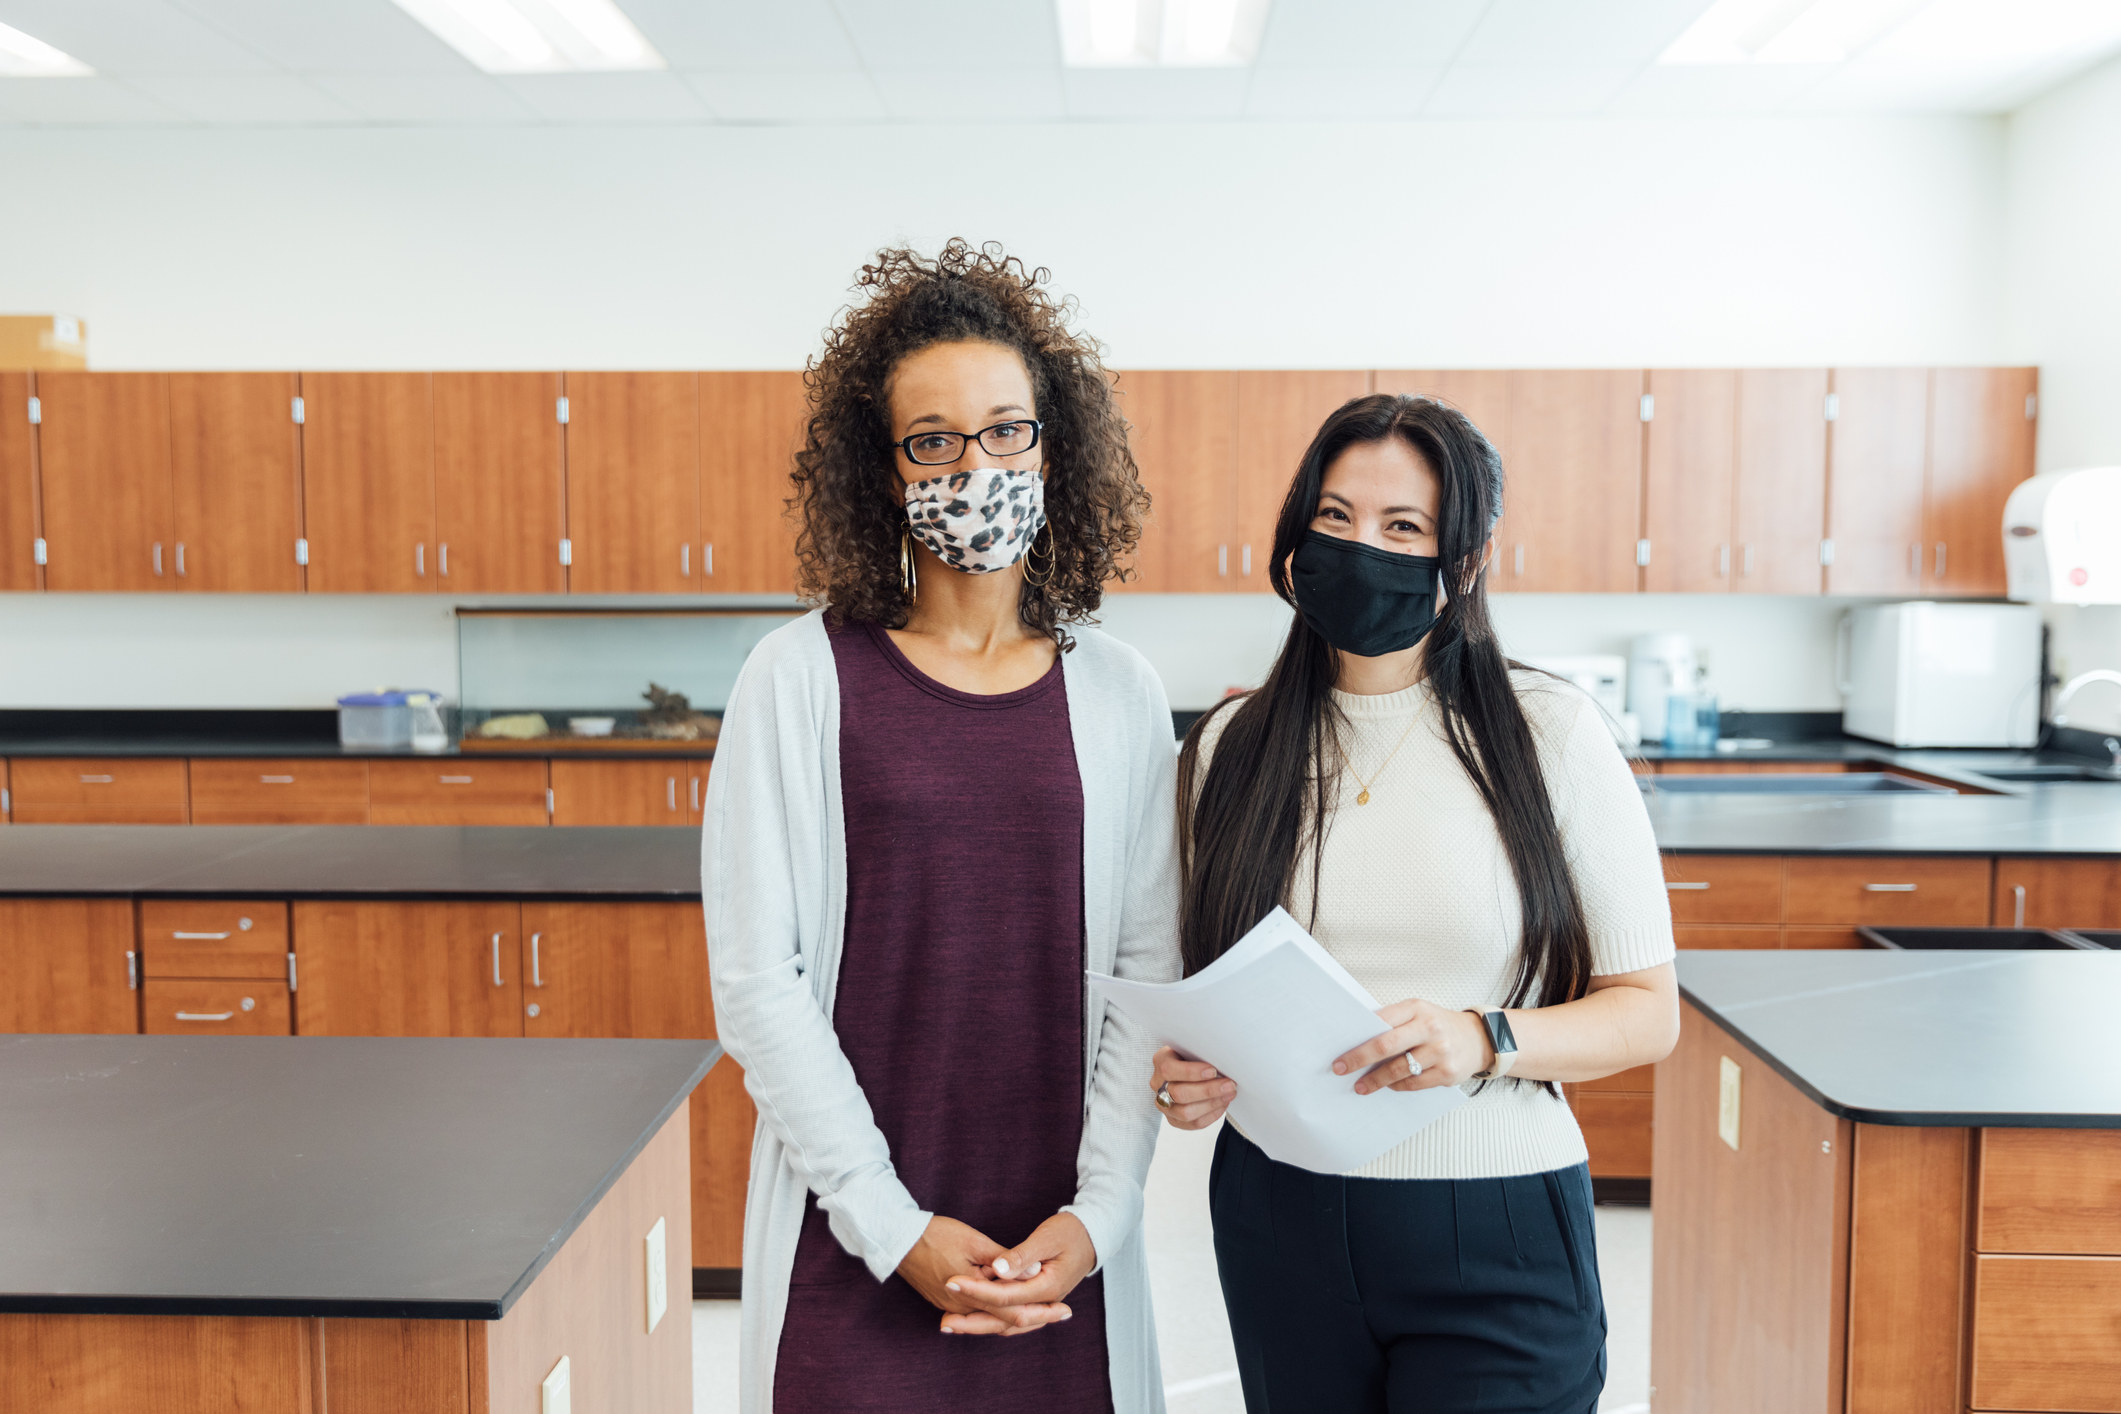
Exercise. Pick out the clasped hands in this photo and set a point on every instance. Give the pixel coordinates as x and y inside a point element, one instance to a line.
<point>984,1288</point>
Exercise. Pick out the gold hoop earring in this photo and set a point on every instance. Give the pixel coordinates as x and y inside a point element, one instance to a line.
<point>908,581</point>
<point>1040,581</point>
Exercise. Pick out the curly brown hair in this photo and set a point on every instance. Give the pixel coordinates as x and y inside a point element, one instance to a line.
<point>848,493</point>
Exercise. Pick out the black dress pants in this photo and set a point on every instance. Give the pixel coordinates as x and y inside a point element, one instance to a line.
<point>1408,1296</point>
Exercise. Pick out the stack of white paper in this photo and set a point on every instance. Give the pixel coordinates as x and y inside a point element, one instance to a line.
<point>1273,1013</point>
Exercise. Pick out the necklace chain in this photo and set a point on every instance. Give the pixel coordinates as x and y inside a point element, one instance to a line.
<point>1363,796</point>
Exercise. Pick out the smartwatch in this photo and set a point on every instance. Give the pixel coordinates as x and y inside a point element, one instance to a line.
<point>1504,1043</point>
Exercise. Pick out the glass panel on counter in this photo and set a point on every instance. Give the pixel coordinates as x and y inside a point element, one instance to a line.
<point>586,675</point>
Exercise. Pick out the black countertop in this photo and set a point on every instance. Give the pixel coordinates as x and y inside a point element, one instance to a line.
<point>2019,1040</point>
<point>312,1176</point>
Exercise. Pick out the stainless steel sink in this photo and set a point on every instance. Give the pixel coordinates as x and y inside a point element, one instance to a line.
<point>1794,783</point>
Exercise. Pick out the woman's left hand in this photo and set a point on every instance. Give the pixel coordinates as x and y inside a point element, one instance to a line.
<point>1061,1254</point>
<point>1448,1047</point>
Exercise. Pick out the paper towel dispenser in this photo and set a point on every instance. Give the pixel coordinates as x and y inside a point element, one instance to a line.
<point>2062,537</point>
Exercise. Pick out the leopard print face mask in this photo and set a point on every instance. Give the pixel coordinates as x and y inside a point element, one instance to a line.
<point>980,520</point>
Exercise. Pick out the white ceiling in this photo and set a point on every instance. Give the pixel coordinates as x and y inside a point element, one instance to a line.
<point>357,62</point>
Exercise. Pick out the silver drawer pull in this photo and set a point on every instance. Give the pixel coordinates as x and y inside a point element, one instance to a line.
<point>96,780</point>
<point>1888,888</point>
<point>276,780</point>
<point>454,780</point>
<point>206,1016</point>
<point>1687,888</point>
<point>497,960</point>
<point>200,937</point>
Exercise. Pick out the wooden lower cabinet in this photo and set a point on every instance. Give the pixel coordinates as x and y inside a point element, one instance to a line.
<point>1853,890</point>
<point>1616,1130</point>
<point>625,792</point>
<point>68,965</point>
<point>213,938</point>
<point>2058,893</point>
<point>455,791</point>
<point>278,792</point>
<point>213,1006</point>
<point>99,790</point>
<point>408,969</point>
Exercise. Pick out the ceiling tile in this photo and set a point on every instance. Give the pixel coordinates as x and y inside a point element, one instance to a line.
<point>133,36</point>
<point>1304,94</point>
<point>789,98</point>
<point>646,97</point>
<point>1155,93</point>
<point>425,98</point>
<point>80,100</point>
<point>1002,37</point>
<point>1525,91</point>
<point>939,95</point>
<point>329,34</point>
<point>243,98</point>
<point>1716,88</point>
<point>1578,31</point>
<point>1366,34</point>
<point>728,36</point>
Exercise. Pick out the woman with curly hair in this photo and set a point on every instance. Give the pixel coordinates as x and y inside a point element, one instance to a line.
<point>936,800</point>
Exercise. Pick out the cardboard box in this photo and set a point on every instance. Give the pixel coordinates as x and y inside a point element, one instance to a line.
<point>42,341</point>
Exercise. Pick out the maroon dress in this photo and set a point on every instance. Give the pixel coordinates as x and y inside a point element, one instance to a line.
<point>960,1007</point>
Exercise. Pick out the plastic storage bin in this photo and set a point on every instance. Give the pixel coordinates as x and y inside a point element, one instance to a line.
<point>376,719</point>
<point>1972,940</point>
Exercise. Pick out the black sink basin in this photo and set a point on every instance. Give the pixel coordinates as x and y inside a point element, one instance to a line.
<point>1909,939</point>
<point>2053,773</point>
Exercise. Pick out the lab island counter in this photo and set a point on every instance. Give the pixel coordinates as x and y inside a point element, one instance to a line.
<point>424,1225</point>
<point>1887,1181</point>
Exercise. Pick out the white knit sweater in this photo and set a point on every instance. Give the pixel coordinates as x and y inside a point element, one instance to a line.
<point>1416,899</point>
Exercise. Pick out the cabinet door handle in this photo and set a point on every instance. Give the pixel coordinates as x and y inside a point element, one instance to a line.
<point>707,558</point>
<point>200,937</point>
<point>497,959</point>
<point>1222,560</point>
<point>1745,561</point>
<point>670,793</point>
<point>1888,888</point>
<point>291,972</point>
<point>1914,560</point>
<point>2018,906</point>
<point>158,557</point>
<point>1244,560</point>
<point>206,1016</point>
<point>1687,888</point>
<point>180,559</point>
<point>419,558</point>
<point>1940,560</point>
<point>276,780</point>
<point>1723,561</point>
<point>695,792</point>
<point>1519,571</point>
<point>685,560</point>
<point>96,780</point>
<point>454,780</point>
<point>537,978</point>
<point>445,559</point>
<point>132,970</point>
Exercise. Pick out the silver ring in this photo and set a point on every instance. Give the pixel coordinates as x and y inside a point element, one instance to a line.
<point>1163,1094</point>
<point>1413,1067</point>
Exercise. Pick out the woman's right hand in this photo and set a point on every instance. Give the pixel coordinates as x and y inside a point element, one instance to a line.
<point>950,1251</point>
<point>1199,1093</point>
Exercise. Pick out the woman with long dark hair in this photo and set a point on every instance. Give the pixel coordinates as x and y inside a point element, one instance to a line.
<point>935,802</point>
<point>1464,835</point>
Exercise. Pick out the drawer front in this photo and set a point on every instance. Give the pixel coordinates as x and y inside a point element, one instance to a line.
<point>2058,893</point>
<point>2047,1334</point>
<point>1724,888</point>
<point>622,792</point>
<point>457,793</point>
<point>2051,1191</point>
<point>90,790</point>
<point>213,938</point>
<point>214,1007</point>
<point>1616,1130</point>
<point>278,792</point>
<point>1737,935</point>
<point>1849,892</point>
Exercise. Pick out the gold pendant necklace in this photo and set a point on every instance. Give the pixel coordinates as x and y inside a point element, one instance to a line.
<point>1363,796</point>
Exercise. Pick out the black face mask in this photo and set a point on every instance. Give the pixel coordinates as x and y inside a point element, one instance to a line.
<point>1361,599</point>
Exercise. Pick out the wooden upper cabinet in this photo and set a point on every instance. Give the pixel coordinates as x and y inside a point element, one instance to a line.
<point>1781,480</point>
<point>408,969</point>
<point>109,521</point>
<point>1278,414</point>
<point>1690,478</point>
<point>1879,446</point>
<point>1183,429</point>
<point>368,482</point>
<point>18,487</point>
<point>633,482</point>
<point>1573,496</point>
<point>498,485</point>
<point>750,427</point>
<point>236,469</point>
<point>1981,445</point>
<point>1483,395</point>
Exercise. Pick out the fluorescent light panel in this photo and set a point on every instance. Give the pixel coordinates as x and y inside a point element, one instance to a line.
<point>537,36</point>
<point>25,56</point>
<point>1133,34</point>
<point>1786,31</point>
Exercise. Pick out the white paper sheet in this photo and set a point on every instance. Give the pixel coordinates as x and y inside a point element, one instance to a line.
<point>1273,1013</point>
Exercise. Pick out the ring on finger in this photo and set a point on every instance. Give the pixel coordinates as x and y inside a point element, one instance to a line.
<point>1163,1095</point>
<point>1413,1067</point>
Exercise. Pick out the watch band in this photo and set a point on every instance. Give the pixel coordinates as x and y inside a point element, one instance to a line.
<point>1497,1024</point>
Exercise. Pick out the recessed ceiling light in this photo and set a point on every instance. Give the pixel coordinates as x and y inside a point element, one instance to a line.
<point>537,36</point>
<point>22,56</point>
<point>1785,31</point>
<point>1128,34</point>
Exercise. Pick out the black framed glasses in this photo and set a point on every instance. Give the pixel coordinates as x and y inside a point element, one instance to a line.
<point>1003,439</point>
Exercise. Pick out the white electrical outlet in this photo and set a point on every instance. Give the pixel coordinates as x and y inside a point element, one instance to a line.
<point>658,1275</point>
<point>556,1395</point>
<point>1727,1094</point>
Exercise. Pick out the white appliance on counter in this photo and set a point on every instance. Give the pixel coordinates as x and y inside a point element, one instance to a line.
<point>1931,674</point>
<point>2062,537</point>
<point>1659,664</point>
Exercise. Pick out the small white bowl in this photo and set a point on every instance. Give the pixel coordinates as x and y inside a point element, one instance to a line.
<point>591,726</point>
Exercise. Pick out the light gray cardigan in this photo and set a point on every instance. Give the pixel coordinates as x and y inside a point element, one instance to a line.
<point>774,875</point>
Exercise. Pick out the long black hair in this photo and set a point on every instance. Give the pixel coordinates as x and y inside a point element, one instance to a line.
<point>1275,768</point>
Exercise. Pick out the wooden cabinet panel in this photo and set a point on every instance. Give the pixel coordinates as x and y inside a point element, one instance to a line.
<point>1981,445</point>
<point>498,484</point>
<point>214,1007</point>
<point>2050,1190</point>
<point>1573,493</point>
<point>457,792</point>
<point>723,1121</point>
<point>236,474</point>
<point>99,790</point>
<point>263,791</point>
<point>622,792</point>
<point>1616,1130</point>
<point>408,969</point>
<point>751,425</point>
<point>2058,893</point>
<point>633,482</point>
<point>213,938</point>
<point>698,784</point>
<point>1690,477</point>
<point>1821,938</point>
<point>1277,416</point>
<point>18,489</point>
<point>368,482</point>
<point>109,521</point>
<point>1730,936</point>
<point>2044,1334</point>
<point>1484,397</point>
<point>1183,429</point>
<point>1852,891</point>
<point>1635,1080</point>
<point>67,1364</point>
<point>1879,449</point>
<point>1908,1206</point>
<point>63,966</point>
<point>1724,888</point>
<point>1781,480</point>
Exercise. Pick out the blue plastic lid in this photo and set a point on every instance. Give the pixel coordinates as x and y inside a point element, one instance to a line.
<point>386,697</point>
